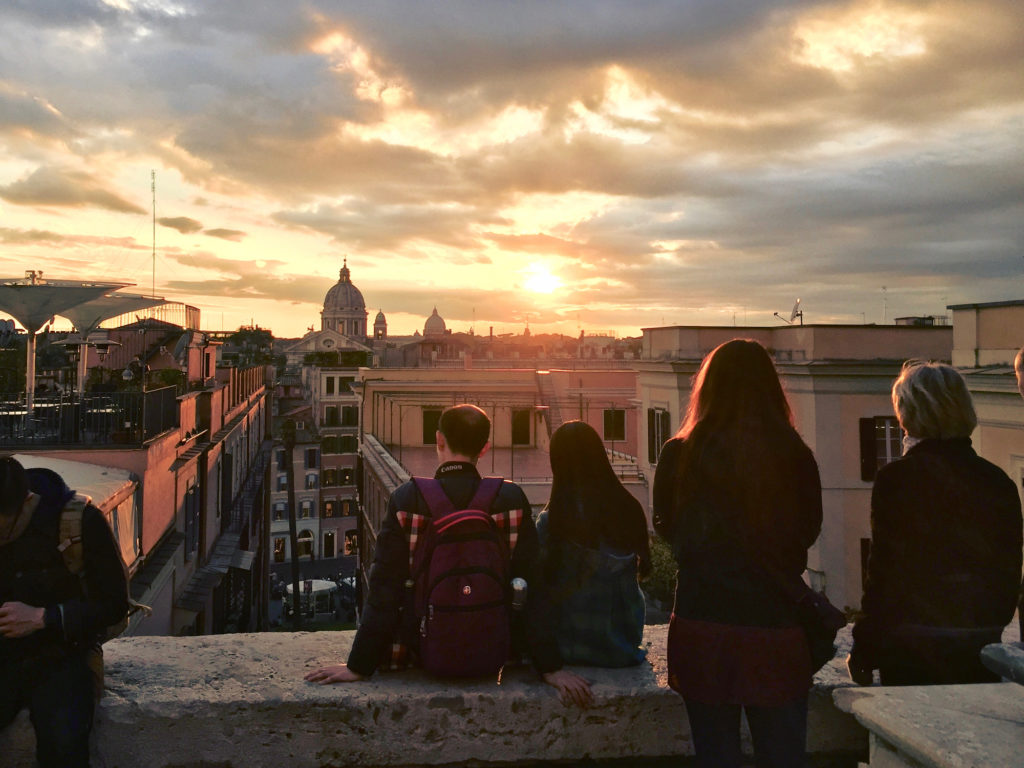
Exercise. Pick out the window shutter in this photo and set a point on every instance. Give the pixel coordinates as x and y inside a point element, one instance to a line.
<point>868,454</point>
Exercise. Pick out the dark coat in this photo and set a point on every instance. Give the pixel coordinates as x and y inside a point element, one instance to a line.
<point>734,638</point>
<point>390,570</point>
<point>945,564</point>
<point>32,571</point>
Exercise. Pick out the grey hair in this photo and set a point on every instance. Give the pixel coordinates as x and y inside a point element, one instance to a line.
<point>931,400</point>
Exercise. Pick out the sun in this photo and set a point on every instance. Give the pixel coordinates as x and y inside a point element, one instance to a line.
<point>540,279</point>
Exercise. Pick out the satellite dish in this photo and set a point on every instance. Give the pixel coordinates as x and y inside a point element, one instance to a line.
<point>797,312</point>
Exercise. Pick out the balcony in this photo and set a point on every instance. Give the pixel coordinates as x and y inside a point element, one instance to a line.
<point>90,419</point>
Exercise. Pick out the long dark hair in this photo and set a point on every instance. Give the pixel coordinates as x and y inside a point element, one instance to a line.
<point>738,430</point>
<point>589,505</point>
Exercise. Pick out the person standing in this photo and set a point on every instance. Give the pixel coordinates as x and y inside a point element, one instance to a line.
<point>737,495</point>
<point>51,619</point>
<point>945,563</point>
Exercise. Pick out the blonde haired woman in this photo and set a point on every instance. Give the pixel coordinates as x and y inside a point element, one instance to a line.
<point>945,544</point>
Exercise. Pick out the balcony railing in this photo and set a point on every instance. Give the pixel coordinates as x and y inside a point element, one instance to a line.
<point>108,418</point>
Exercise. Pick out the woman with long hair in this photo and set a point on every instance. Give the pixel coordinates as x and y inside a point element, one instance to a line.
<point>737,496</point>
<point>594,544</point>
<point>944,569</point>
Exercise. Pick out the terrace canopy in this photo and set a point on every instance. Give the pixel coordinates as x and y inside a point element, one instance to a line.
<point>32,301</point>
<point>87,316</point>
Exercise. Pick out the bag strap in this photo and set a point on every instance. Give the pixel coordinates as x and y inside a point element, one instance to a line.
<point>441,506</point>
<point>69,537</point>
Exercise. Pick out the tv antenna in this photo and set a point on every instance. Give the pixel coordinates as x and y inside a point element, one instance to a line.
<point>797,312</point>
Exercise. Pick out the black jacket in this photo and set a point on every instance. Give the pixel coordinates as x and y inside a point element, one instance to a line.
<point>945,552</point>
<point>720,579</point>
<point>32,571</point>
<point>390,570</point>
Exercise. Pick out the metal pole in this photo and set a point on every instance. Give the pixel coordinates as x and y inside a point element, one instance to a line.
<point>288,437</point>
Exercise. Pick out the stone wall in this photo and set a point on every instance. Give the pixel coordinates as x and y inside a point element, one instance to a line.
<point>240,700</point>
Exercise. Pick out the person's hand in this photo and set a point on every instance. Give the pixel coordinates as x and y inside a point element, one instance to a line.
<point>859,674</point>
<point>336,673</point>
<point>20,620</point>
<point>572,689</point>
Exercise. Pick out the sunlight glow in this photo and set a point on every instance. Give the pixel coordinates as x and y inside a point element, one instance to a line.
<point>841,42</point>
<point>627,112</point>
<point>541,280</point>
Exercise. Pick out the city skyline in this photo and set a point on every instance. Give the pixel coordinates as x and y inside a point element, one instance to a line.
<point>591,165</point>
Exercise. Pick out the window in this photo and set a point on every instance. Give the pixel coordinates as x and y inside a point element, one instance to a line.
<point>329,385</point>
<point>331,416</point>
<point>305,543</point>
<point>881,442</point>
<point>282,482</point>
<point>351,542</point>
<point>279,510</point>
<point>279,550</point>
<point>431,418</point>
<point>311,458</point>
<point>281,465</point>
<point>345,476</point>
<point>615,424</point>
<point>346,507</point>
<point>329,478</point>
<point>330,508</point>
<point>306,508</point>
<point>329,547</point>
<point>347,444</point>
<point>190,508</point>
<point>311,479</point>
<point>349,416</point>
<point>520,427</point>
<point>658,426</point>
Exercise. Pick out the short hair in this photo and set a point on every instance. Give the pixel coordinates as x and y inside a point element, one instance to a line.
<point>466,429</point>
<point>13,485</point>
<point>931,400</point>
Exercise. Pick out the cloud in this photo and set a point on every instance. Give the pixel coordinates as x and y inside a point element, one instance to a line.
<point>183,224</point>
<point>234,235</point>
<point>12,236</point>
<point>65,188</point>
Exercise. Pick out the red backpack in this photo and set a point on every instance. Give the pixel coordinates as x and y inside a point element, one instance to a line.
<point>461,571</point>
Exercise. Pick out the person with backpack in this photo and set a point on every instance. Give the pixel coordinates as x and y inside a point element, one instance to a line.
<point>594,546</point>
<point>445,561</point>
<point>52,619</point>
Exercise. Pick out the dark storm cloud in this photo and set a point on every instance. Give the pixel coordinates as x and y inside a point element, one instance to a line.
<point>64,188</point>
<point>183,224</point>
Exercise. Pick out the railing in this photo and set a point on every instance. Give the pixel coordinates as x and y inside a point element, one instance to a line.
<point>119,418</point>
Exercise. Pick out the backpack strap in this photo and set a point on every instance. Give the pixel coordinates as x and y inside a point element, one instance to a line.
<point>437,500</point>
<point>70,533</point>
<point>486,493</point>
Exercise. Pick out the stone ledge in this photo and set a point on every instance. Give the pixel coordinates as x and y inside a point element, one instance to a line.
<point>239,700</point>
<point>941,726</point>
<point>1005,659</point>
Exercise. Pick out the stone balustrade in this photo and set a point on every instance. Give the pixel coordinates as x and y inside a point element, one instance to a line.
<point>240,700</point>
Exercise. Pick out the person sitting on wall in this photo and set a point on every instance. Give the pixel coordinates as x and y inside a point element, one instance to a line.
<point>462,438</point>
<point>50,618</point>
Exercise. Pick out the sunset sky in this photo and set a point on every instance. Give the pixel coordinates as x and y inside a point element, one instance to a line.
<point>595,164</point>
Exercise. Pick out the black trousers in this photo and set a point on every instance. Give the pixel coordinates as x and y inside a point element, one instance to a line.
<point>58,693</point>
<point>779,734</point>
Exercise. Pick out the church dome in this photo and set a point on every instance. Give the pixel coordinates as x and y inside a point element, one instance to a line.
<point>435,325</point>
<point>380,317</point>
<point>343,295</point>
